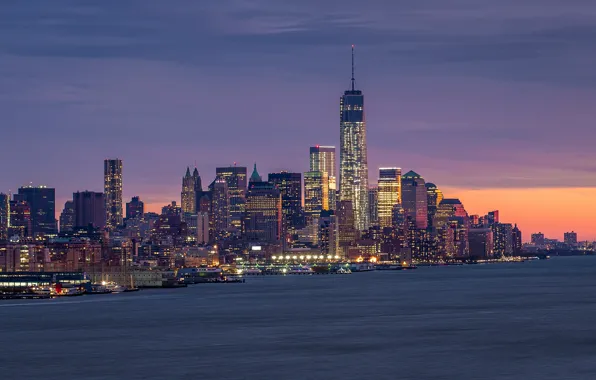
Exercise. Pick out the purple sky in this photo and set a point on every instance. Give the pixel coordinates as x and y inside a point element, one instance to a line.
<point>474,94</point>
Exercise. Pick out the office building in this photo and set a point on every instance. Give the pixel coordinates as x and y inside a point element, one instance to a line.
<point>135,208</point>
<point>322,159</point>
<point>373,211</point>
<point>517,240</point>
<point>316,194</point>
<point>346,230</point>
<point>220,206</point>
<point>42,204</point>
<point>481,243</point>
<point>112,174</point>
<point>537,239</point>
<point>20,223</point>
<point>290,188</point>
<point>89,209</point>
<point>191,185</point>
<point>236,178</point>
<point>263,216</point>
<point>353,165</point>
<point>570,238</point>
<point>4,216</point>
<point>503,238</point>
<point>389,194</point>
<point>67,217</point>
<point>414,198</point>
<point>327,238</point>
<point>202,228</point>
<point>434,196</point>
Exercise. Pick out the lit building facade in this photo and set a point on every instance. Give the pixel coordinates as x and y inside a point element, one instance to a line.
<point>346,231</point>
<point>220,206</point>
<point>4,216</point>
<point>389,194</point>
<point>113,193</point>
<point>434,196</point>
<point>191,185</point>
<point>263,215</point>
<point>290,188</point>
<point>20,219</point>
<point>236,178</point>
<point>67,217</point>
<point>322,159</point>
<point>42,203</point>
<point>316,194</point>
<point>353,165</point>
<point>373,211</point>
<point>414,198</point>
<point>570,238</point>
<point>503,239</point>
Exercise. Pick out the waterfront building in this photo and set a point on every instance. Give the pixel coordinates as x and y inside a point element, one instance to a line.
<point>570,239</point>
<point>346,231</point>
<point>67,217</point>
<point>202,228</point>
<point>89,209</point>
<point>503,239</point>
<point>316,194</point>
<point>113,193</point>
<point>481,243</point>
<point>328,242</point>
<point>353,165</point>
<point>236,178</point>
<point>135,208</point>
<point>4,216</point>
<point>42,204</point>
<point>263,215</point>
<point>537,239</point>
<point>517,240</point>
<point>290,188</point>
<point>389,194</point>
<point>191,185</point>
<point>414,198</point>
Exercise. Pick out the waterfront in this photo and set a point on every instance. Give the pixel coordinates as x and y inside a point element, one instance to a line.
<point>531,320</point>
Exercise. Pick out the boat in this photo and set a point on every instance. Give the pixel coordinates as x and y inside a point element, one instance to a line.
<point>342,270</point>
<point>67,291</point>
<point>113,287</point>
<point>42,290</point>
<point>98,289</point>
<point>300,270</point>
<point>362,267</point>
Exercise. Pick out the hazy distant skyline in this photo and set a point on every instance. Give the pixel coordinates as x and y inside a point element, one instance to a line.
<point>492,101</point>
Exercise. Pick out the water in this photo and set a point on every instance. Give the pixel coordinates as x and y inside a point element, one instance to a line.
<point>532,320</point>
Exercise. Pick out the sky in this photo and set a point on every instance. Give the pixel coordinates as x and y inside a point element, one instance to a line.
<point>494,102</point>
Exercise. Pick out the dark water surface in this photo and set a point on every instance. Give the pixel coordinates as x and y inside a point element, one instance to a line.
<point>534,320</point>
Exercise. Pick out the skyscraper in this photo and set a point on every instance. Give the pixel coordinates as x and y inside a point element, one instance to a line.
<point>373,200</point>
<point>191,185</point>
<point>220,206</point>
<point>322,159</point>
<point>517,240</point>
<point>316,196</point>
<point>89,209</point>
<point>389,194</point>
<point>67,217</point>
<point>112,179</point>
<point>20,219</point>
<point>434,196</point>
<point>570,238</point>
<point>290,187</point>
<point>353,166</point>
<point>414,199</point>
<point>135,208</point>
<point>4,216</point>
<point>42,203</point>
<point>263,216</point>
<point>346,231</point>
<point>235,176</point>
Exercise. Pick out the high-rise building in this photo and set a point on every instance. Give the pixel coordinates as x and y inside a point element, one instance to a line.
<point>492,217</point>
<point>414,198</point>
<point>328,233</point>
<point>434,196</point>
<point>373,210</point>
<point>67,217</point>
<point>4,216</point>
<point>191,185</point>
<point>42,203</point>
<point>290,187</point>
<point>236,178</point>
<point>202,228</point>
<point>135,208</point>
<point>481,243</point>
<point>112,179</point>
<point>322,159</point>
<point>503,238</point>
<point>89,209</point>
<point>389,194</point>
<point>517,240</point>
<point>353,165</point>
<point>220,206</point>
<point>263,216</point>
<point>346,231</point>
<point>316,194</point>
<point>20,223</point>
<point>570,238</point>
<point>538,239</point>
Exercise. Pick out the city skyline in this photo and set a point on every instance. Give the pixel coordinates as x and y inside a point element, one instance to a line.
<point>522,144</point>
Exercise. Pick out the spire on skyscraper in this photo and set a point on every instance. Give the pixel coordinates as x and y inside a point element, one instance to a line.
<point>187,172</point>
<point>353,80</point>
<point>255,177</point>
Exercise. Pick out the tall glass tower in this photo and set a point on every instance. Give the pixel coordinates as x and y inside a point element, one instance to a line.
<point>353,165</point>
<point>112,179</point>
